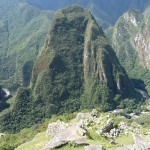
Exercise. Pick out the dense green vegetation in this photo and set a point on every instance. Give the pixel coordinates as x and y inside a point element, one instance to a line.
<point>23,29</point>
<point>76,69</point>
<point>144,121</point>
<point>12,141</point>
<point>60,71</point>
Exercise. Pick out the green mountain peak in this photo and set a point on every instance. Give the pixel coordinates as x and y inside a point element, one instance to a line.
<point>78,53</point>
<point>77,69</point>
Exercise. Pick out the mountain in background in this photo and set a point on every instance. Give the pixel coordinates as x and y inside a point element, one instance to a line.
<point>130,39</point>
<point>77,69</point>
<point>23,29</point>
<point>106,12</point>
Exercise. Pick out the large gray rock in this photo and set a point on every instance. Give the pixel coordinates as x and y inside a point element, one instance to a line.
<point>94,147</point>
<point>68,135</point>
<point>81,141</point>
<point>82,116</point>
<point>144,146</point>
<point>55,144</point>
<point>55,128</point>
<point>114,132</point>
<point>80,129</point>
<point>140,144</point>
<point>130,147</point>
<point>138,139</point>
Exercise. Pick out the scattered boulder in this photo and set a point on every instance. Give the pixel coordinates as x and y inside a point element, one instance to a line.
<point>82,116</point>
<point>122,125</point>
<point>140,144</point>
<point>81,141</point>
<point>116,111</point>
<point>68,135</point>
<point>80,129</point>
<point>55,128</point>
<point>144,146</point>
<point>94,147</point>
<point>139,140</point>
<point>55,144</point>
<point>132,129</point>
<point>76,134</point>
<point>115,132</point>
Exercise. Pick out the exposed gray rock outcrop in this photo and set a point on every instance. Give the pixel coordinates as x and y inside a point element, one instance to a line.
<point>81,141</point>
<point>55,128</point>
<point>70,134</point>
<point>94,147</point>
<point>115,132</point>
<point>82,116</point>
<point>80,129</point>
<point>140,144</point>
<point>144,146</point>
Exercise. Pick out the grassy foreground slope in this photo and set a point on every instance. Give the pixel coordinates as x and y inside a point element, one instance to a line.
<point>93,137</point>
<point>37,143</point>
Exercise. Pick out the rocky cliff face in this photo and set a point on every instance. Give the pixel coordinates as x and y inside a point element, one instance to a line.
<point>130,38</point>
<point>76,69</point>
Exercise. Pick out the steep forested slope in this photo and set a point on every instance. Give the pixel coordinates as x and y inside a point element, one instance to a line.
<point>76,69</point>
<point>23,29</point>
